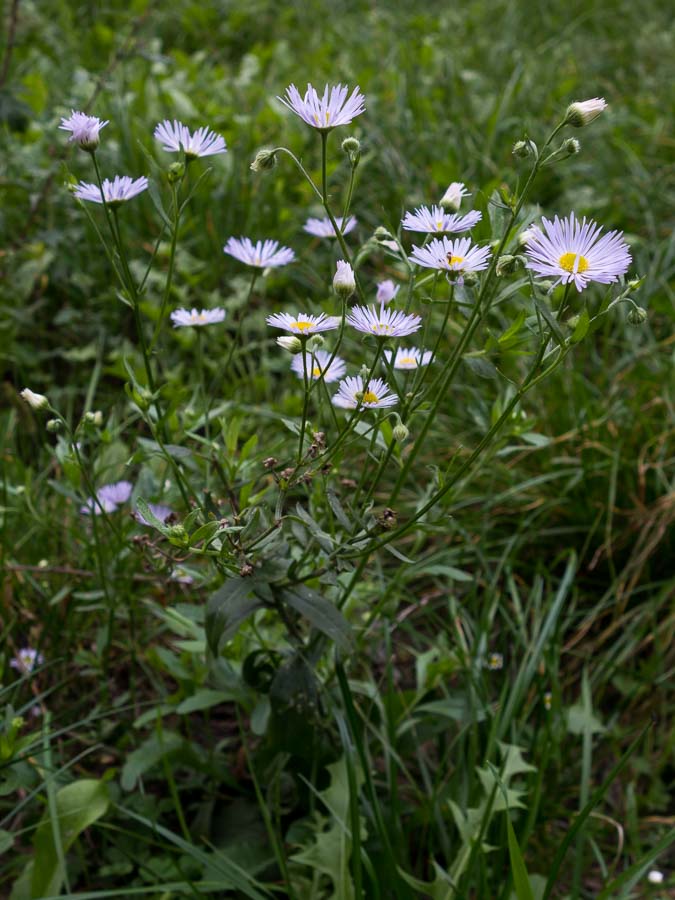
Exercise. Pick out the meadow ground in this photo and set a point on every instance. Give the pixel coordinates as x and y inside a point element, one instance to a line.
<point>335,660</point>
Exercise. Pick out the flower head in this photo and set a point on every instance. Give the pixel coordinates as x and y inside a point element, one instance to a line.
<point>344,280</point>
<point>386,290</point>
<point>655,877</point>
<point>183,317</point>
<point>263,254</point>
<point>159,511</point>
<point>495,661</point>
<point>351,394</point>
<point>435,221</point>
<point>84,129</point>
<point>409,357</point>
<point>323,228</point>
<point>303,324</point>
<point>573,251</point>
<point>332,109</point>
<point>383,322</point>
<point>458,256</point>
<point>26,660</point>
<point>121,188</point>
<point>35,401</point>
<point>176,136</point>
<point>452,198</point>
<point>109,497</point>
<point>317,364</point>
<point>583,112</point>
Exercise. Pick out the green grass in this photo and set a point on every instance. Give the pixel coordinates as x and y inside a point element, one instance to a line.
<point>315,754</point>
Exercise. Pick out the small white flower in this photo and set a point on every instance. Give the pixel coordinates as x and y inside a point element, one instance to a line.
<point>344,281</point>
<point>655,877</point>
<point>203,142</point>
<point>583,112</point>
<point>26,660</point>
<point>84,129</point>
<point>351,394</point>
<point>183,317</point>
<point>317,364</point>
<point>121,188</point>
<point>332,109</point>
<point>323,228</point>
<point>495,662</point>
<point>452,198</point>
<point>383,322</point>
<point>303,324</point>
<point>386,291</point>
<point>35,401</point>
<point>574,251</point>
<point>263,254</point>
<point>433,220</point>
<point>458,256</point>
<point>409,357</point>
<point>181,576</point>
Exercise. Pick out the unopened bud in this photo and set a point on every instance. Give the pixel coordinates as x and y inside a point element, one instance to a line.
<point>635,283</point>
<point>583,112</point>
<point>637,315</point>
<point>344,282</point>
<point>264,161</point>
<point>470,278</point>
<point>315,343</point>
<point>452,198</point>
<point>53,426</point>
<point>175,172</point>
<point>352,147</point>
<point>523,149</point>
<point>526,236</point>
<point>246,570</point>
<point>35,401</point>
<point>507,264</point>
<point>382,234</point>
<point>94,418</point>
<point>571,146</point>
<point>400,433</point>
<point>179,536</point>
<point>290,343</point>
<point>358,396</point>
<point>364,372</point>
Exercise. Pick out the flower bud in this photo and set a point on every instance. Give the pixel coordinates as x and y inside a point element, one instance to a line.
<point>583,112</point>
<point>344,282</point>
<point>352,147</point>
<point>179,536</point>
<point>470,278</point>
<point>53,426</point>
<point>507,264</point>
<point>264,161</point>
<point>315,343</point>
<point>571,146</point>
<point>400,433</point>
<point>637,315</point>
<point>452,198</point>
<point>382,234</point>
<point>94,418</point>
<point>175,172</point>
<point>35,401</point>
<point>358,396</point>
<point>526,236</point>
<point>364,372</point>
<point>523,149</point>
<point>290,343</point>
<point>635,283</point>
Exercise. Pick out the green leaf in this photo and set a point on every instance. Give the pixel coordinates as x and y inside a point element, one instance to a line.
<point>321,612</point>
<point>6,840</point>
<point>227,608</point>
<point>148,755</point>
<point>581,328</point>
<point>150,517</point>
<point>521,880</point>
<point>204,698</point>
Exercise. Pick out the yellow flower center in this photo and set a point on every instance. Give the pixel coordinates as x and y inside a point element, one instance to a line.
<point>407,361</point>
<point>316,371</point>
<point>301,326</point>
<point>380,328</point>
<point>201,317</point>
<point>369,397</point>
<point>568,262</point>
<point>455,260</point>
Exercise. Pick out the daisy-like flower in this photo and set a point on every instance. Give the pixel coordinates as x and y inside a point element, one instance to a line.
<point>159,511</point>
<point>121,188</point>
<point>174,137</point>
<point>409,357</point>
<point>383,322</point>
<point>318,366</point>
<point>303,324</point>
<point>386,290</point>
<point>109,496</point>
<point>26,660</point>
<point>583,112</point>
<point>327,112</point>
<point>433,220</point>
<point>495,662</point>
<point>574,251</point>
<point>184,317</point>
<point>452,198</point>
<point>458,256</point>
<point>84,129</point>
<point>351,394</point>
<point>263,254</point>
<point>324,229</point>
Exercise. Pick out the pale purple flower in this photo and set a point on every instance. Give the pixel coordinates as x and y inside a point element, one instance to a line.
<point>351,394</point>
<point>185,317</point>
<point>332,109</point>
<point>409,357</point>
<point>458,256</point>
<point>323,228</point>
<point>386,290</point>
<point>181,576</point>
<point>383,322</point>
<point>452,198</point>
<point>175,136</point>
<point>583,112</point>
<point>158,510</point>
<point>121,188</point>
<point>26,660</point>
<point>262,254</point>
<point>109,496</point>
<point>573,251</point>
<point>84,129</point>
<point>302,323</point>
<point>317,364</point>
<point>433,220</point>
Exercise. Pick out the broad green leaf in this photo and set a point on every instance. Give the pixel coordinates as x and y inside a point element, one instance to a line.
<point>148,755</point>
<point>227,608</point>
<point>204,698</point>
<point>521,881</point>
<point>581,328</point>
<point>321,612</point>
